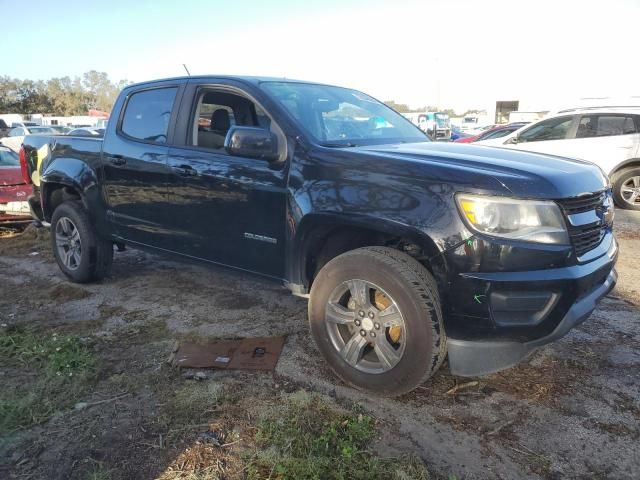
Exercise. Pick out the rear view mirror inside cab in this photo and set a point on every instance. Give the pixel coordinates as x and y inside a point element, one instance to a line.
<point>325,105</point>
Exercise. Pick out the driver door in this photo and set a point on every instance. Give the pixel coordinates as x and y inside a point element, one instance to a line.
<point>226,209</point>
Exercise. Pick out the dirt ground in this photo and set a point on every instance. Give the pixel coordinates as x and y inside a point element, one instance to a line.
<point>571,411</point>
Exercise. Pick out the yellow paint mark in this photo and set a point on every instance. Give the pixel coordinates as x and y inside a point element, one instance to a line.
<point>42,153</point>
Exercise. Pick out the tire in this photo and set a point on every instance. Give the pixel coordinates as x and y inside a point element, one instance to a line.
<point>71,229</point>
<point>388,284</point>
<point>626,185</point>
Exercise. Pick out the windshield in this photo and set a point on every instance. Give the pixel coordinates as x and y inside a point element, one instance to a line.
<point>442,119</point>
<point>8,158</point>
<point>41,130</point>
<point>338,117</point>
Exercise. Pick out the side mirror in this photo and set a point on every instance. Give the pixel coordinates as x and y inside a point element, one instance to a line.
<point>512,140</point>
<point>252,142</point>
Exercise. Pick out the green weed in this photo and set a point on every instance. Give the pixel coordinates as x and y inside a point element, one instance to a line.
<point>306,438</point>
<point>51,373</point>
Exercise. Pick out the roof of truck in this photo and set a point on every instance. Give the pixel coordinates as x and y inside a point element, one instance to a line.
<point>242,78</point>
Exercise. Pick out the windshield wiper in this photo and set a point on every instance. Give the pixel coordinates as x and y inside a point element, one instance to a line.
<point>339,145</point>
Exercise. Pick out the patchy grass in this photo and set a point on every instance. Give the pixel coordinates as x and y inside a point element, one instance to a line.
<point>193,403</point>
<point>61,355</point>
<point>99,473</point>
<point>306,438</point>
<point>283,437</point>
<point>49,373</point>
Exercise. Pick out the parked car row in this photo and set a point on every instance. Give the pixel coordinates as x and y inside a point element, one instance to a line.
<point>494,131</point>
<point>15,136</point>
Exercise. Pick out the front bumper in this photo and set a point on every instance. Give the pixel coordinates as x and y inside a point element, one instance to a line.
<point>557,299</point>
<point>468,358</point>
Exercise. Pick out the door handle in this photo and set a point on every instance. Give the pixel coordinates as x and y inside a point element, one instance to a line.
<point>185,170</point>
<point>117,159</point>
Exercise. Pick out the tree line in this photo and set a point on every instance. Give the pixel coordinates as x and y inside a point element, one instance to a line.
<point>59,96</point>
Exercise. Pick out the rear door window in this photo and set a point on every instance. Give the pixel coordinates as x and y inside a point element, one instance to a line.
<point>606,125</point>
<point>147,114</point>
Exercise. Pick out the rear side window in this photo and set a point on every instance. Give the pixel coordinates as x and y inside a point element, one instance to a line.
<point>606,126</point>
<point>147,114</point>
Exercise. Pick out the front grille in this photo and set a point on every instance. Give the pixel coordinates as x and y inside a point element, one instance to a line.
<point>586,237</point>
<point>582,204</point>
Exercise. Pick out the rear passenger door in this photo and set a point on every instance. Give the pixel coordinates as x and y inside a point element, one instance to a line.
<point>226,209</point>
<point>606,139</point>
<point>134,164</point>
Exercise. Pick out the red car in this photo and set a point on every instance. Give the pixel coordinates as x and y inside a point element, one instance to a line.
<point>495,131</point>
<point>14,191</point>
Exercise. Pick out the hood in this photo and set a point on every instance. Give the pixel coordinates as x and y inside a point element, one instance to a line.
<point>523,174</point>
<point>10,176</point>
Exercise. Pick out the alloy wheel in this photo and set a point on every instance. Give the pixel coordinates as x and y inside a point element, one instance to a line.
<point>630,191</point>
<point>365,326</point>
<point>68,243</point>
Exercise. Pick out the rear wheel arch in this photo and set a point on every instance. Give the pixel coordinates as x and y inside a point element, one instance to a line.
<point>54,194</point>
<point>630,163</point>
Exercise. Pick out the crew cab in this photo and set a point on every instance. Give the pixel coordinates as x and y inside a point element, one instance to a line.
<point>408,250</point>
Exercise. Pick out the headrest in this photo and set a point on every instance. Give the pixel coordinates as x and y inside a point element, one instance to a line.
<point>220,120</point>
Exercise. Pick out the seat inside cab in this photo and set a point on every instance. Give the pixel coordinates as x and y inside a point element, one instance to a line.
<point>219,111</point>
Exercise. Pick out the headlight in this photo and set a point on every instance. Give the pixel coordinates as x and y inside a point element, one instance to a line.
<point>528,220</point>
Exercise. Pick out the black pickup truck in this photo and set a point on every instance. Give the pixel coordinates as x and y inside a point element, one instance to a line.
<point>407,249</point>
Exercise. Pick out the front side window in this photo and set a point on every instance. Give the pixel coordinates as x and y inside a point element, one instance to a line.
<point>16,132</point>
<point>340,117</point>
<point>605,126</point>
<point>147,114</point>
<point>552,129</point>
<point>218,110</point>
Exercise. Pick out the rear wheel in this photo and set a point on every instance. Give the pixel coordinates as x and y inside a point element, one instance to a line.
<point>626,188</point>
<point>80,253</point>
<point>375,316</point>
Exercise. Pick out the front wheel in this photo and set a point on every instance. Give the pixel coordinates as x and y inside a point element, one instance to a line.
<point>626,188</point>
<point>80,253</point>
<point>375,315</point>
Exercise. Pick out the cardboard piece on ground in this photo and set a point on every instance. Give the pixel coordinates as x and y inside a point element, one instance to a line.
<point>250,353</point>
<point>206,355</point>
<point>257,353</point>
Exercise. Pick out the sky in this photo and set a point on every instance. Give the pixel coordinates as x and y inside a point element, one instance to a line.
<point>457,54</point>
